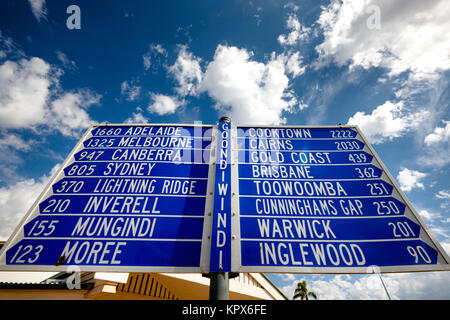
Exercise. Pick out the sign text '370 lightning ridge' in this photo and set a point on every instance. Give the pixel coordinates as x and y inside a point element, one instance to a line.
<point>269,199</point>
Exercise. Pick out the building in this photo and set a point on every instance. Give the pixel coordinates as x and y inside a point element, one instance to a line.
<point>138,286</point>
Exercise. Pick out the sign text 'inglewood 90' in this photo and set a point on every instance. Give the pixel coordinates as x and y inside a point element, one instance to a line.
<point>129,196</point>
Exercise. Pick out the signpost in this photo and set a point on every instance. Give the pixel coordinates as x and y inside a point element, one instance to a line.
<point>319,200</point>
<point>150,198</point>
<point>128,198</point>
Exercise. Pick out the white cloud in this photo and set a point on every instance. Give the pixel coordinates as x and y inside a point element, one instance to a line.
<point>250,92</point>
<point>163,104</point>
<point>13,141</point>
<point>137,117</point>
<point>413,35</point>
<point>130,90</point>
<point>66,62</point>
<point>427,215</point>
<point>159,49</point>
<point>439,135</point>
<point>410,179</point>
<point>30,96</point>
<point>146,60</point>
<point>187,72</point>
<point>39,9</point>
<point>294,65</point>
<point>16,200</point>
<point>437,147</point>
<point>297,33</point>
<point>443,194</point>
<point>154,53</point>
<point>24,91</point>
<point>387,121</point>
<point>68,112</point>
<point>404,286</point>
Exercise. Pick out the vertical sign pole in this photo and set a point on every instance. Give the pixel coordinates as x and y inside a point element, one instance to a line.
<point>220,263</point>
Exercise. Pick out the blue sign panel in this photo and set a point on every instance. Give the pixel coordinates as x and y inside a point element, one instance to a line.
<point>127,197</point>
<point>318,200</point>
<point>298,199</point>
<point>220,260</point>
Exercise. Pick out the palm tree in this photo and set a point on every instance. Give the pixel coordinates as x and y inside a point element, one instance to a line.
<point>302,292</point>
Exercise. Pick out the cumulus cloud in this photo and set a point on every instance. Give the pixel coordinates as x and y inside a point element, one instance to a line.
<point>403,286</point>
<point>152,59</point>
<point>298,32</point>
<point>24,91</point>
<point>130,90</point>
<point>294,65</point>
<point>137,117</point>
<point>411,35</point>
<point>387,121</point>
<point>438,135</point>
<point>68,112</point>
<point>17,199</point>
<point>30,97</point>
<point>11,140</point>
<point>437,147</point>
<point>187,72</point>
<point>163,104</point>
<point>410,179</point>
<point>250,92</point>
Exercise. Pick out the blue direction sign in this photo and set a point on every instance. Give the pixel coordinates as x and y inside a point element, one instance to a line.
<point>319,200</point>
<point>220,260</point>
<point>148,198</point>
<point>128,197</point>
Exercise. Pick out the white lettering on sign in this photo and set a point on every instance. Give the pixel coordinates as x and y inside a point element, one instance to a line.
<point>274,206</point>
<point>162,131</point>
<point>310,207</point>
<point>174,186</point>
<point>146,155</point>
<point>96,252</point>
<point>161,142</point>
<point>144,186</point>
<point>114,227</point>
<point>128,169</point>
<point>121,204</point>
<point>308,254</point>
<point>270,144</point>
<point>309,157</point>
<point>285,172</point>
<point>223,190</point>
<point>295,228</point>
<point>299,188</point>
<point>278,133</point>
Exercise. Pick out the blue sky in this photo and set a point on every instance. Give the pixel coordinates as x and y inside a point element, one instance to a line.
<point>384,66</point>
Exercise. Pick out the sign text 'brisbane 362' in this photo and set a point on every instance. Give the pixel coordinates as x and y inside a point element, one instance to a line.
<point>199,198</point>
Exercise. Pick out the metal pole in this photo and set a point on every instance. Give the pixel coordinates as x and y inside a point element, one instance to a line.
<point>219,286</point>
<point>219,281</point>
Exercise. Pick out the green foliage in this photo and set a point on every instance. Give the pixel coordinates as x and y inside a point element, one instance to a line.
<point>302,292</point>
